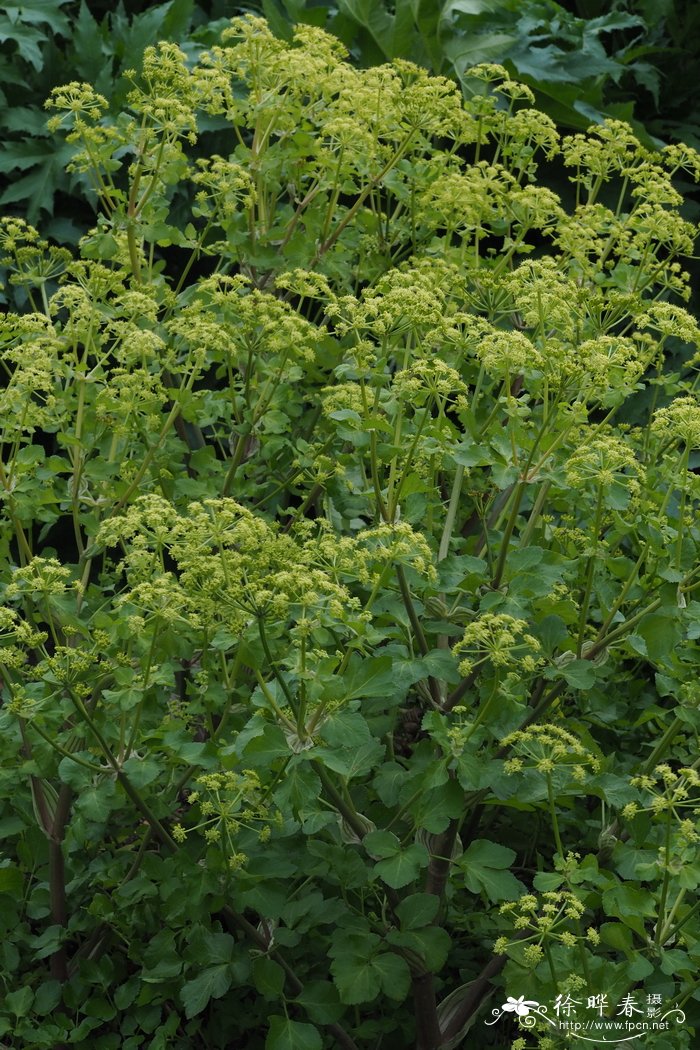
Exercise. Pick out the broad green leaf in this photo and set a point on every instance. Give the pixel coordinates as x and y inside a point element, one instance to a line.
<point>431,944</point>
<point>674,962</point>
<point>351,763</point>
<point>285,1034</point>
<point>48,942</point>
<point>631,905</point>
<point>48,996</point>
<point>299,790</point>
<point>403,867</point>
<point>19,1001</point>
<point>368,677</point>
<point>380,844</point>
<point>617,936</point>
<point>345,729</point>
<point>355,979</point>
<point>11,880</point>
<point>484,865</point>
<point>417,911</point>
<point>211,983</point>
<point>360,979</point>
<point>39,12</point>
<point>321,1002</point>
<point>393,974</point>
<point>268,977</point>
<point>88,44</point>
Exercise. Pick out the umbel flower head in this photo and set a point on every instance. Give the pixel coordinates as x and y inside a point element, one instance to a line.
<point>229,803</point>
<point>549,917</point>
<point>679,422</point>
<point>546,747</point>
<point>231,562</point>
<point>502,640</point>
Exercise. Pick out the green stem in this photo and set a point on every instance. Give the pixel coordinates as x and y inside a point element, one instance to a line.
<point>159,830</point>
<point>535,513</point>
<point>411,610</point>
<point>665,935</point>
<point>660,922</point>
<point>448,527</point>
<point>505,542</point>
<point>554,818</point>
<point>672,932</point>
<point>350,215</point>
<point>271,663</point>
<point>588,587</point>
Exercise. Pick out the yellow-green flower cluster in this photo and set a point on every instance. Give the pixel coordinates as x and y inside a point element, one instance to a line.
<point>541,919</point>
<point>397,544</point>
<point>546,747</point>
<point>679,422</point>
<point>230,802</point>
<point>233,567</point>
<point>17,638</point>
<point>427,380</point>
<point>602,458</point>
<point>668,791</point>
<point>40,578</point>
<point>224,188</point>
<point>501,640</point>
<point>604,151</point>
<point>507,354</point>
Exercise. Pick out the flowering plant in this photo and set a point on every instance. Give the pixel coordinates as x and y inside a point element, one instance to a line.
<point>350,558</point>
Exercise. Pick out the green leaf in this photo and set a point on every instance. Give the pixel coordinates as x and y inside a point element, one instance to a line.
<point>403,867</point>
<point>39,12</point>
<point>39,186</point>
<point>285,1034</point>
<point>48,996</point>
<point>380,844</point>
<point>206,946</point>
<point>484,865</point>
<point>373,16</point>
<point>393,974</point>
<point>211,983</point>
<point>661,634</point>
<point>98,801</point>
<point>580,674</point>
<point>142,771</point>
<point>360,979</point>
<point>547,880</point>
<point>300,789</point>
<point>617,936</point>
<point>268,977</point>
<point>27,38</point>
<point>321,1002</point>
<point>639,968</point>
<point>48,942</point>
<point>615,789</point>
<point>88,45</point>
<point>19,1001</point>
<point>11,881</point>
<point>355,979</point>
<point>368,677</point>
<point>630,905</point>
<point>675,962</point>
<point>417,911</point>
<point>431,944</point>
<point>345,729</point>
<point>351,763</point>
